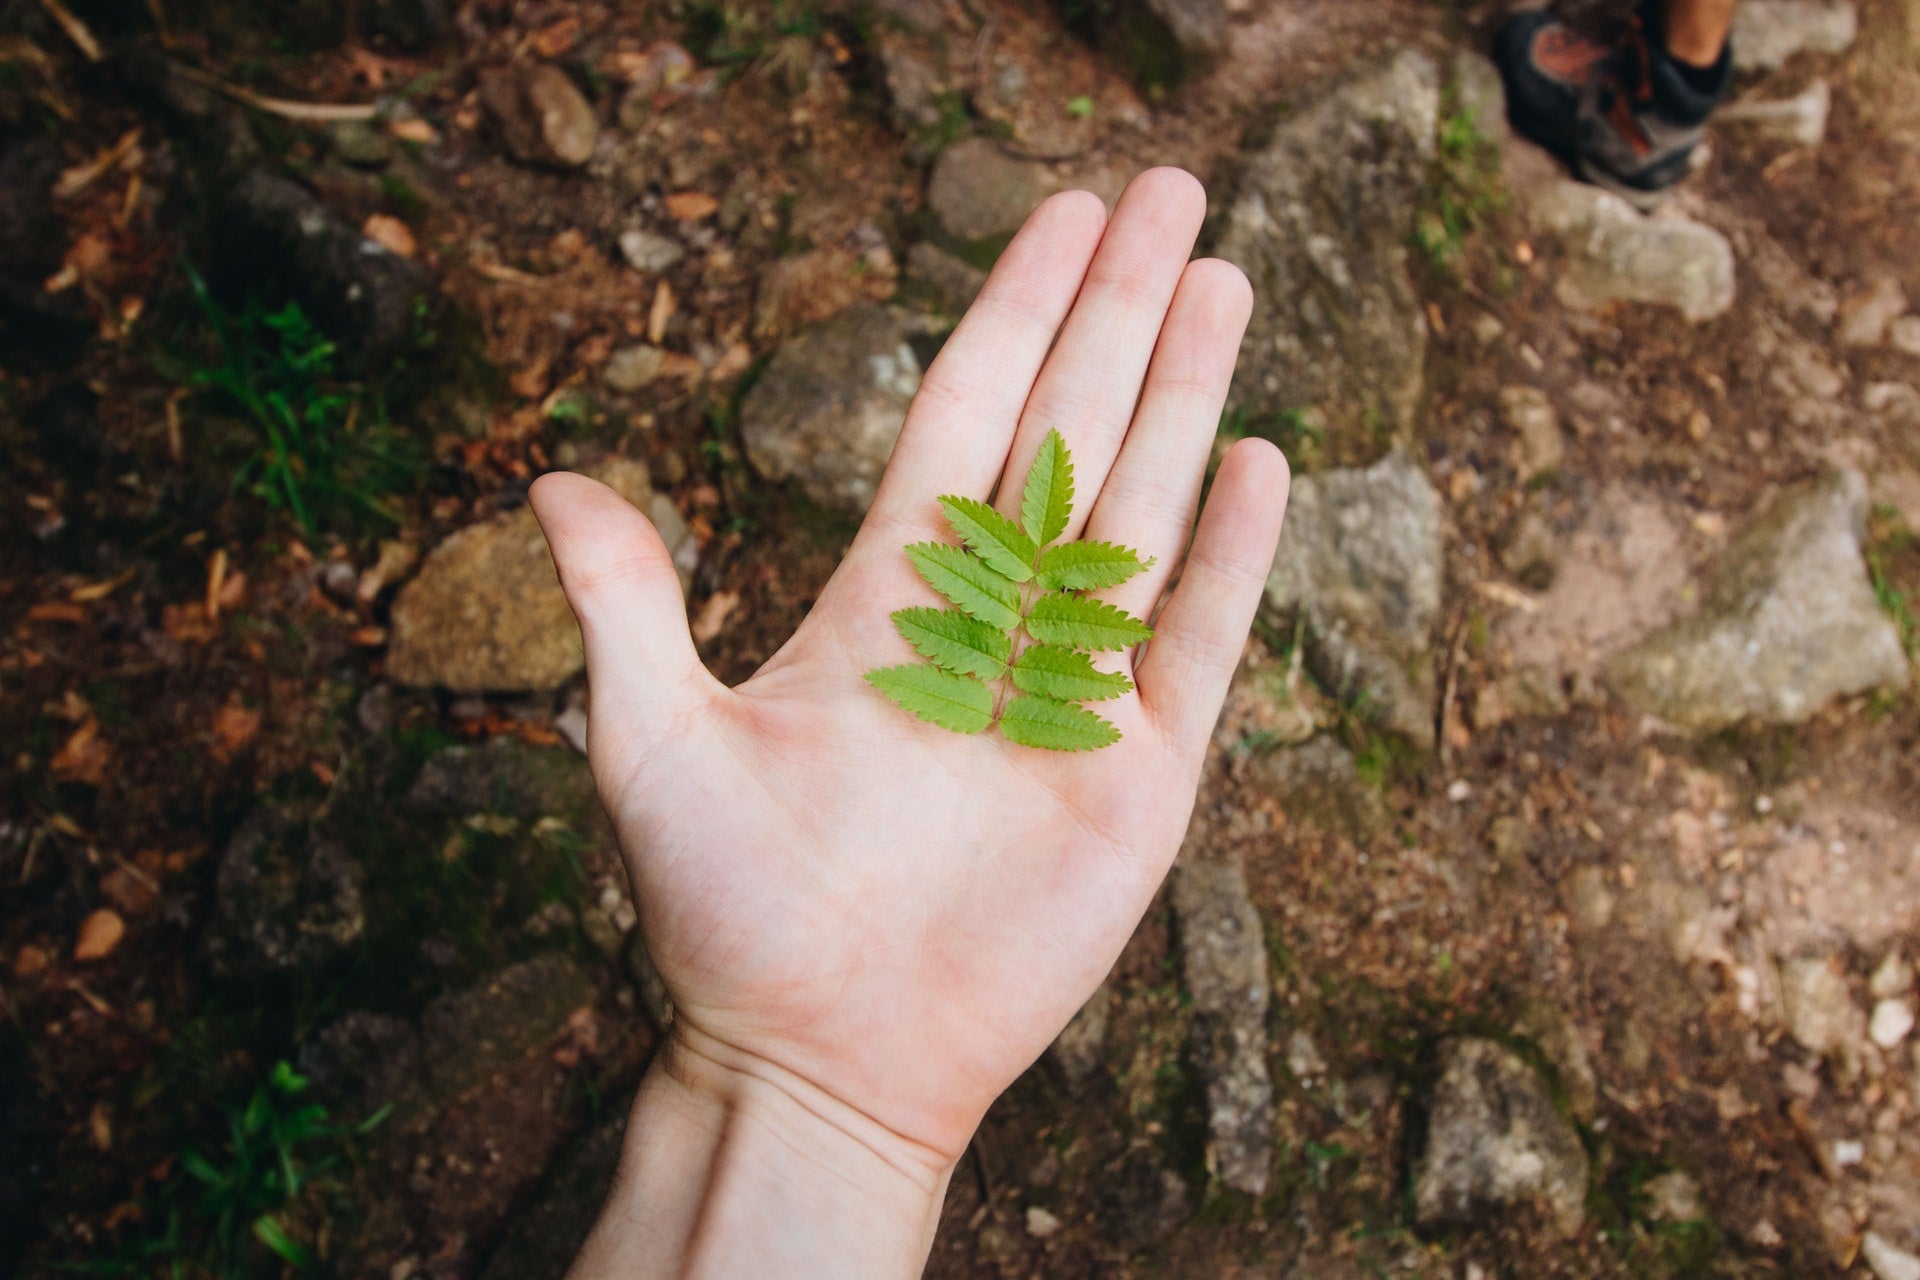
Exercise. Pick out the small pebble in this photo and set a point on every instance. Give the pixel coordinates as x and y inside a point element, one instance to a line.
<point>1892,1021</point>
<point>1459,790</point>
<point>1040,1223</point>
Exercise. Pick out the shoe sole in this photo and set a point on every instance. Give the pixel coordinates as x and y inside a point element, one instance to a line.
<point>1639,197</point>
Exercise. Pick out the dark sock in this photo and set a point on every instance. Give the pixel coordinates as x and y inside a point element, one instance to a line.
<point>1685,93</point>
<point>1702,80</point>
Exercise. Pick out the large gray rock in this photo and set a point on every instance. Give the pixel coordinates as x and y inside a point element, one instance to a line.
<point>541,1241</point>
<point>1616,254</point>
<point>1496,1142</point>
<point>1199,26</point>
<point>829,407</point>
<point>486,613</point>
<point>1319,780</point>
<point>1787,622</point>
<point>1080,1049</point>
<point>1360,563</point>
<point>978,189</point>
<point>286,899</point>
<point>1800,119</point>
<point>466,1036</point>
<point>1320,224</point>
<point>948,282</point>
<point>1767,33</point>
<point>367,298</point>
<point>505,776</point>
<point>1224,961</point>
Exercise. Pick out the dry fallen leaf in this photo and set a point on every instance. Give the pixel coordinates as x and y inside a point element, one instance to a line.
<point>92,591</point>
<point>395,559</point>
<point>1510,596</point>
<point>186,623</point>
<point>553,40</point>
<point>100,933</point>
<point>691,206</point>
<point>530,381</point>
<point>390,234</point>
<point>664,305</point>
<point>216,579</point>
<point>712,619</point>
<point>56,611</point>
<point>413,130</point>
<point>85,756</point>
<point>29,960</point>
<point>130,889</point>
<point>234,726</point>
<point>88,254</point>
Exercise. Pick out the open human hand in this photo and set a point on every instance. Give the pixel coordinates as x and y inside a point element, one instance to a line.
<point>870,926</point>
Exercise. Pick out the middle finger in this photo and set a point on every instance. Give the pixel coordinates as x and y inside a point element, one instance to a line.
<point>1091,381</point>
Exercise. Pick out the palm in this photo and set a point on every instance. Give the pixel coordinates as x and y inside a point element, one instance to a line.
<point>901,915</point>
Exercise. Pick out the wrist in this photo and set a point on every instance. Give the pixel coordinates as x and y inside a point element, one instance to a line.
<point>734,1166</point>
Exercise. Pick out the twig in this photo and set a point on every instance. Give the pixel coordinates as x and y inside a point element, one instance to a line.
<point>76,30</point>
<point>315,112</point>
<point>1450,687</point>
<point>77,179</point>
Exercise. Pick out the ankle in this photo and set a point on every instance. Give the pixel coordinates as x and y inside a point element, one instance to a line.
<point>1694,35</point>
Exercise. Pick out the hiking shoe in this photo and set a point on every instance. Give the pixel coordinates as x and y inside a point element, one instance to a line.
<point>1624,115</point>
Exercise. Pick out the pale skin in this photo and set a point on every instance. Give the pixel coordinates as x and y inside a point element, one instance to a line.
<point>1697,30</point>
<point>870,926</point>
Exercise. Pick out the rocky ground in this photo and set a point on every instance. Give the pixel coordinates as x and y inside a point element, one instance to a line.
<point>1553,896</point>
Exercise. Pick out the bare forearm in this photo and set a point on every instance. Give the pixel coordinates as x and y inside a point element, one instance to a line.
<point>733,1168</point>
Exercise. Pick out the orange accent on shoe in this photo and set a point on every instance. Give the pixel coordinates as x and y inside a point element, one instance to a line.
<point>1567,55</point>
<point>1621,116</point>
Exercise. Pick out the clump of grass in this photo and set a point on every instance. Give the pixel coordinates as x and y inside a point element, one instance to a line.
<point>221,1215</point>
<point>1464,191</point>
<point>1886,545</point>
<point>773,39</point>
<point>327,453</point>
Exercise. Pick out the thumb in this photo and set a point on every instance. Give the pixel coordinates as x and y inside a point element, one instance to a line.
<point>621,582</point>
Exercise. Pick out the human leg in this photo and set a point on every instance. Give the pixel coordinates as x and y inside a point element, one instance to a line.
<point>1625,113</point>
<point>1696,31</point>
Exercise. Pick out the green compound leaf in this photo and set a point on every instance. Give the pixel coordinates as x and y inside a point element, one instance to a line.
<point>1088,566</point>
<point>1065,676</point>
<point>1048,500</point>
<point>955,642</point>
<point>960,703</point>
<point>965,579</point>
<point>993,537</point>
<point>1075,622</point>
<point>1055,726</point>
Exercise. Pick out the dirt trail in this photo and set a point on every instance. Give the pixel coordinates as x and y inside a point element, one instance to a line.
<point>1496,869</point>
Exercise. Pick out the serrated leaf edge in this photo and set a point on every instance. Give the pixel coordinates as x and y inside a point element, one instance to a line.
<point>973,522</point>
<point>1007,710</point>
<point>875,676</point>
